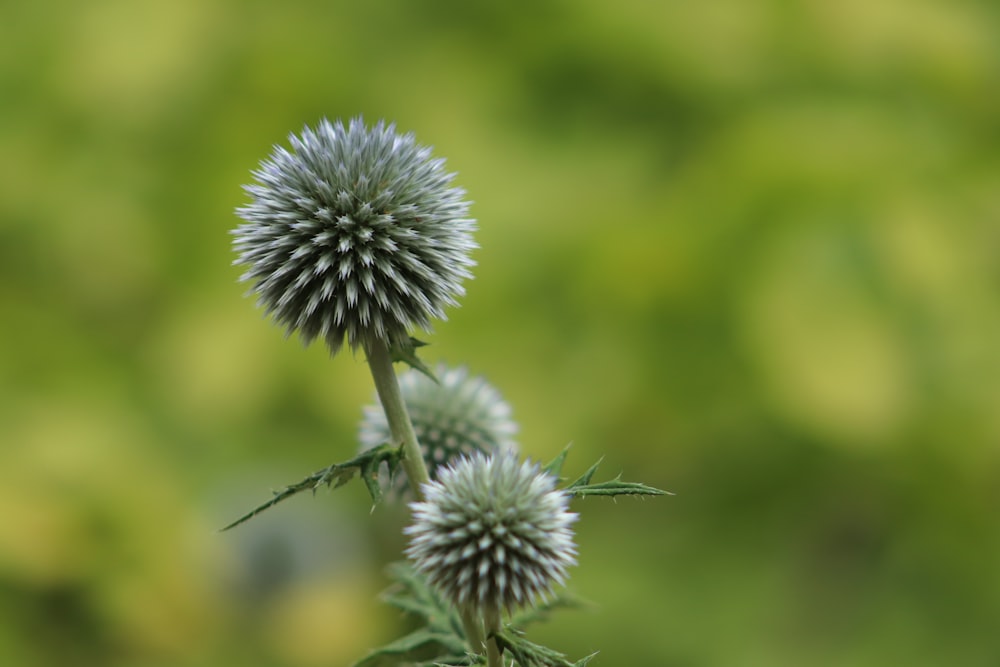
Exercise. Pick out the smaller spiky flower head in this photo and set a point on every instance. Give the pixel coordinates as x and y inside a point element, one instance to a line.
<point>493,533</point>
<point>457,415</point>
<point>354,233</point>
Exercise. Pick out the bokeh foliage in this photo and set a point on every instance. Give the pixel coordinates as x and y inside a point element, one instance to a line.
<point>745,250</point>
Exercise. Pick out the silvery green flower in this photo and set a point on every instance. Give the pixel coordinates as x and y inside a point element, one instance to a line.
<point>354,232</point>
<point>459,414</point>
<point>493,533</point>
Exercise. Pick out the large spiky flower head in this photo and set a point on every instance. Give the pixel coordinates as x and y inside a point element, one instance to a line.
<point>492,533</point>
<point>355,232</point>
<point>457,415</point>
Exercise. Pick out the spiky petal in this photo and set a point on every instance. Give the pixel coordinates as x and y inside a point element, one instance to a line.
<point>493,533</point>
<point>355,232</point>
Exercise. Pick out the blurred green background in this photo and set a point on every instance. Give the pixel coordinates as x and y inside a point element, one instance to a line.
<point>745,250</point>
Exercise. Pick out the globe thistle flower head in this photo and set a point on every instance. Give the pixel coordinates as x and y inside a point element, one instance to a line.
<point>492,533</point>
<point>460,414</point>
<point>354,233</point>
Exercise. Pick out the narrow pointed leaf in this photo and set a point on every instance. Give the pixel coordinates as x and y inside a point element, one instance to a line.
<point>451,661</point>
<point>615,487</point>
<point>404,647</point>
<point>528,654</point>
<point>407,353</point>
<point>411,593</point>
<point>554,466</point>
<point>366,464</point>
<point>585,478</point>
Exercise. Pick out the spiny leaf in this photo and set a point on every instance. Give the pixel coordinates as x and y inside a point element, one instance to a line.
<point>452,661</point>
<point>554,467</point>
<point>585,478</point>
<point>366,465</point>
<point>369,475</point>
<point>407,353</point>
<point>528,654</point>
<point>411,593</point>
<point>441,633</point>
<point>581,486</point>
<point>615,487</point>
<point>403,648</point>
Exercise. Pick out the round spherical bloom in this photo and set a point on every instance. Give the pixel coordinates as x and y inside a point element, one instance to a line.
<point>459,414</point>
<point>355,232</point>
<point>493,533</point>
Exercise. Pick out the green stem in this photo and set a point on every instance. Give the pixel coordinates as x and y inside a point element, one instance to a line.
<point>387,386</point>
<point>493,658</point>
<point>473,630</point>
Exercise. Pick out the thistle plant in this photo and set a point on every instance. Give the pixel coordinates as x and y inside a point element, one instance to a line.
<point>355,234</point>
